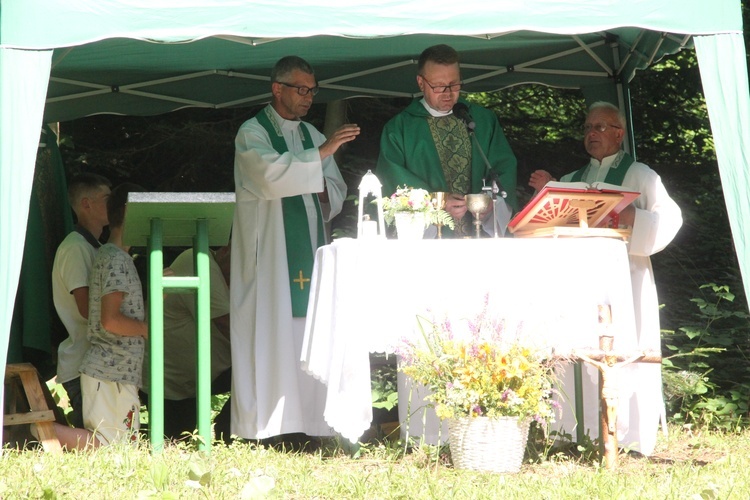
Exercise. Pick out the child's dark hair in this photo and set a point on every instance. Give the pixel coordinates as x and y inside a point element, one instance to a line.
<point>117,201</point>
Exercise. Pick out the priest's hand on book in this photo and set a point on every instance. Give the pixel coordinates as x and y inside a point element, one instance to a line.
<point>539,178</point>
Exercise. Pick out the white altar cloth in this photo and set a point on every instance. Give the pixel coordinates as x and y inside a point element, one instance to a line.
<point>366,295</point>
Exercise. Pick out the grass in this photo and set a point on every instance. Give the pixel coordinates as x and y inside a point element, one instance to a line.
<point>708,465</point>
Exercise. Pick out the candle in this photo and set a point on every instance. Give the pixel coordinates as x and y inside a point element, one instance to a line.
<point>369,229</point>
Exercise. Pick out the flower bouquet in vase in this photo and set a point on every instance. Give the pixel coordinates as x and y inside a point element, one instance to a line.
<point>412,210</point>
<point>488,382</point>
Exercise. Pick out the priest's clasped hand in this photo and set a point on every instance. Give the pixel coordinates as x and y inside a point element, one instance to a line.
<point>539,178</point>
<point>455,204</point>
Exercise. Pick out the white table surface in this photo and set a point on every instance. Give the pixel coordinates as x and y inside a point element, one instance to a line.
<point>366,295</point>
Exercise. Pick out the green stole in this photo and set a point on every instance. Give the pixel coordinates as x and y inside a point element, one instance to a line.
<point>453,146</point>
<point>614,175</point>
<point>299,252</point>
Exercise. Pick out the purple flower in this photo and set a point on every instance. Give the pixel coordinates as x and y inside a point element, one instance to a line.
<point>476,410</point>
<point>474,328</point>
<point>446,328</point>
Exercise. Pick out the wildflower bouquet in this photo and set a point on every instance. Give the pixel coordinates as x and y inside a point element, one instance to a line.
<point>412,200</point>
<point>481,371</point>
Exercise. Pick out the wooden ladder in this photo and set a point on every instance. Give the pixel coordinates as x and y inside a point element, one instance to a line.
<point>32,409</point>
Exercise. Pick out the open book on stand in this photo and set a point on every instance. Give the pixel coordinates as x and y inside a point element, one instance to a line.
<point>574,209</point>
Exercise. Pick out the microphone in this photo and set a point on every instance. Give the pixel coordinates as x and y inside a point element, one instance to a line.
<point>461,111</point>
<point>497,188</point>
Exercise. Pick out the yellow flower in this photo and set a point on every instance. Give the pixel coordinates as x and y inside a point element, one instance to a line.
<point>483,375</point>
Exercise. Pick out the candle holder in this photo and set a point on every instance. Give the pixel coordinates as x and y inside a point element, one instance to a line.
<point>438,199</point>
<point>367,228</point>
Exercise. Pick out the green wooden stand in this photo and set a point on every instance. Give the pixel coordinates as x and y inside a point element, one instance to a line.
<point>199,220</point>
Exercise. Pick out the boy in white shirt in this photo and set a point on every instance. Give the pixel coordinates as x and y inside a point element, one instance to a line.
<point>88,194</point>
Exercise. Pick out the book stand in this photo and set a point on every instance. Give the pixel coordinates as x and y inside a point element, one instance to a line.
<point>179,219</point>
<point>565,213</point>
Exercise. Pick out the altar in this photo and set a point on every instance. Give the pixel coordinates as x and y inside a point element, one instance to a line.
<point>366,296</point>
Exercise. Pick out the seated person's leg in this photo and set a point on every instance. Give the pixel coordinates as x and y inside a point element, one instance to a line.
<point>222,385</point>
<point>75,400</point>
<point>180,417</point>
<point>222,423</point>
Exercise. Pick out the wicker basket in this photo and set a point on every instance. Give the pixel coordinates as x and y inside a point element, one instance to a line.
<point>488,444</point>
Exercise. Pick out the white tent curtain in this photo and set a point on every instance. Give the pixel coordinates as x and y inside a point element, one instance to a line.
<point>22,105</point>
<point>723,69</point>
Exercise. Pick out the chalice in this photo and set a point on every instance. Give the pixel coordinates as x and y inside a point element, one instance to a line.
<point>478,204</point>
<point>438,200</point>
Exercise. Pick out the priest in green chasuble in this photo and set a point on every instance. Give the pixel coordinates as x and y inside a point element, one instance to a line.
<point>287,185</point>
<point>426,146</point>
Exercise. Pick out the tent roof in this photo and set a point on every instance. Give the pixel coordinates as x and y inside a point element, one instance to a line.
<point>131,57</point>
<point>68,23</point>
<point>217,72</point>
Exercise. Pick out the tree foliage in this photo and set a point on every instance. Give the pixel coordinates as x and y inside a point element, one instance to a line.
<point>189,150</point>
<point>674,137</point>
<point>543,125</point>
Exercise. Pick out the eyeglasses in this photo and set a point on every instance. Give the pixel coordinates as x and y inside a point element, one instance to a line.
<point>442,89</point>
<point>599,127</point>
<point>301,89</point>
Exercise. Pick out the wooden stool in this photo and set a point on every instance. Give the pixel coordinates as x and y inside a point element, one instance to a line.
<point>27,403</point>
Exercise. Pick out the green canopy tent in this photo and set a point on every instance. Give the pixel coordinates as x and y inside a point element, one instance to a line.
<point>61,60</point>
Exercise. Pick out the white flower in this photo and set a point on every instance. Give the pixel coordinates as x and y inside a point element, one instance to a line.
<point>410,200</point>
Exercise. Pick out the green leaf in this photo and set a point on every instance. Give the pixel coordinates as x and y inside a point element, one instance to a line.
<point>388,403</point>
<point>197,473</point>
<point>159,475</point>
<point>258,487</point>
<point>691,332</point>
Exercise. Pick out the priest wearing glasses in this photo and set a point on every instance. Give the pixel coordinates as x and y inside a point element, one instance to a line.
<point>287,185</point>
<point>428,145</point>
<point>654,218</point>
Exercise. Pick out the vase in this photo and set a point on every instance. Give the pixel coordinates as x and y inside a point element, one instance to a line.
<point>410,225</point>
<point>488,444</point>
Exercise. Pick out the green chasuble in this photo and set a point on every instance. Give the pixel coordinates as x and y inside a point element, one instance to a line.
<point>409,155</point>
<point>300,254</point>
